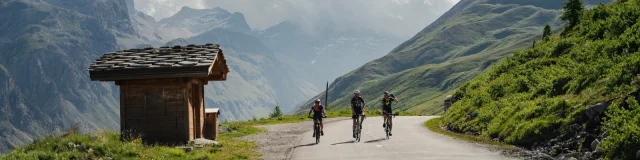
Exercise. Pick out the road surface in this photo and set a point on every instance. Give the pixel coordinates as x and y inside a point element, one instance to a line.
<point>410,140</point>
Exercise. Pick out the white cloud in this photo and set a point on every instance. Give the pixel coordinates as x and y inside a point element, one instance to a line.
<point>400,17</point>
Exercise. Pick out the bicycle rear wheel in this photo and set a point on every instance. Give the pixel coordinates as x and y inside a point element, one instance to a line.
<point>386,128</point>
<point>317,132</point>
<point>358,131</point>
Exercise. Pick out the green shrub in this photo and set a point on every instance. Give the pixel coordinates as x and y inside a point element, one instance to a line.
<point>623,126</point>
<point>536,94</point>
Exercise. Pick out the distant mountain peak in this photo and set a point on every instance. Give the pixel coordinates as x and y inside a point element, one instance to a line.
<point>202,20</point>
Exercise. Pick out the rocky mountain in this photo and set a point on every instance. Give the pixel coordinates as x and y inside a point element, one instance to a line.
<point>46,46</point>
<point>198,21</point>
<point>325,53</point>
<point>150,31</point>
<point>455,48</point>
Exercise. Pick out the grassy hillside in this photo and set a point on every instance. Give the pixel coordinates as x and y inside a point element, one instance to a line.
<point>546,96</point>
<point>458,46</point>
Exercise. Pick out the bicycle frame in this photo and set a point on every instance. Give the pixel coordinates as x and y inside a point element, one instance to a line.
<point>359,127</point>
<point>387,123</point>
<point>316,130</point>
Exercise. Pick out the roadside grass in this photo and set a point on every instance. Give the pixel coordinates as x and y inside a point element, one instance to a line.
<point>331,113</point>
<point>436,124</point>
<point>107,145</point>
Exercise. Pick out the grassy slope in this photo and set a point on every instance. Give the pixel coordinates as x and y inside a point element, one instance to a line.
<point>452,50</point>
<point>107,145</point>
<point>539,93</point>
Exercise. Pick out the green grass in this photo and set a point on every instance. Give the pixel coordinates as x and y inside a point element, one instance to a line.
<point>104,145</point>
<point>107,145</point>
<point>331,113</point>
<point>436,125</point>
<point>539,92</point>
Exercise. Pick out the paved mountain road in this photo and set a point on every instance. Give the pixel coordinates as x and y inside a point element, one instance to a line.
<point>410,140</point>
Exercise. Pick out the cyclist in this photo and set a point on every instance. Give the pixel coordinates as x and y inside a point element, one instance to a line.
<point>357,110</point>
<point>386,109</point>
<point>318,113</point>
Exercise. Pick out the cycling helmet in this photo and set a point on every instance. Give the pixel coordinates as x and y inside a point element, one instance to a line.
<point>317,100</point>
<point>385,92</point>
<point>357,91</point>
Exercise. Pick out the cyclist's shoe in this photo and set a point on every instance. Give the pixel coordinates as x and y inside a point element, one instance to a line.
<point>313,135</point>
<point>322,133</point>
<point>383,125</point>
<point>390,134</point>
<point>354,134</point>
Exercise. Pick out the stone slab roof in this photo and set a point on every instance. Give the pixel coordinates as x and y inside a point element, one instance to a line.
<point>164,62</point>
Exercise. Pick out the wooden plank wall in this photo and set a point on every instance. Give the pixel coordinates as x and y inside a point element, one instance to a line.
<point>156,108</point>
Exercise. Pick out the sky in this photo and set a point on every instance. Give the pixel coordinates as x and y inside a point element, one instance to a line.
<point>399,17</point>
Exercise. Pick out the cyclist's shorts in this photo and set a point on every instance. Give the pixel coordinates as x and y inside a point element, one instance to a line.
<point>358,112</point>
<point>387,110</point>
<point>319,119</point>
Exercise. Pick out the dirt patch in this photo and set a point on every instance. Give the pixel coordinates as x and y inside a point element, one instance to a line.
<point>279,139</point>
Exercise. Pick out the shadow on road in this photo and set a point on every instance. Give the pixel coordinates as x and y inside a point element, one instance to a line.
<point>306,145</point>
<point>351,141</point>
<point>376,140</point>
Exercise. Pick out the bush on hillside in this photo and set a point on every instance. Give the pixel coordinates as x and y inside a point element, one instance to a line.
<point>276,112</point>
<point>541,93</point>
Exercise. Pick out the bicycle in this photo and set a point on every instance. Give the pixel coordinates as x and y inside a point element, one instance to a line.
<point>359,127</point>
<point>387,122</point>
<point>316,129</point>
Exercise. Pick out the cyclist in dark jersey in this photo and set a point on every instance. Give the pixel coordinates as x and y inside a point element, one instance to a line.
<point>386,108</point>
<point>318,113</point>
<point>357,110</point>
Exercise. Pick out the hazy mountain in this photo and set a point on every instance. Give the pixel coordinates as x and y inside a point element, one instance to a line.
<point>46,47</point>
<point>323,55</point>
<point>150,31</point>
<point>455,48</point>
<point>198,21</point>
<point>258,81</point>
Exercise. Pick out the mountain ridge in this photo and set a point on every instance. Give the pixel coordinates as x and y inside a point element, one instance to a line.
<point>199,21</point>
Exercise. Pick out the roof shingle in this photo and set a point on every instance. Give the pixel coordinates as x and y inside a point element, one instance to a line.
<point>165,60</point>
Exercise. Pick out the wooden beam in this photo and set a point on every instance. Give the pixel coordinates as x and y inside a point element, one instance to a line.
<point>174,82</point>
<point>123,113</point>
<point>216,77</point>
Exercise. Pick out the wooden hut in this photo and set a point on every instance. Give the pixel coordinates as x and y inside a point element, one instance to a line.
<point>162,89</point>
